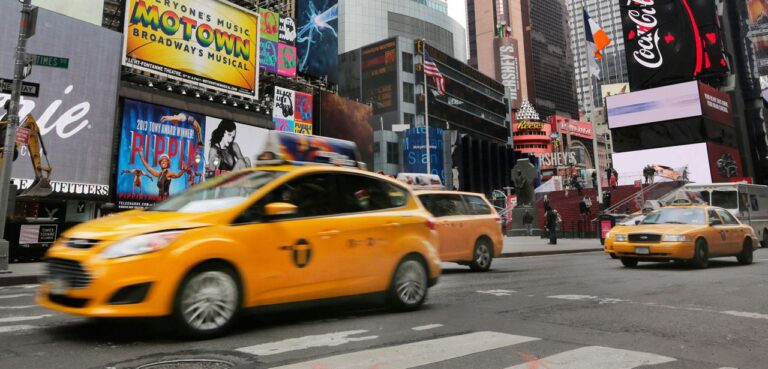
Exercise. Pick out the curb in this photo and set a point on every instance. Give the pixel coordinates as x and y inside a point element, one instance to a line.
<point>15,280</point>
<point>546,252</point>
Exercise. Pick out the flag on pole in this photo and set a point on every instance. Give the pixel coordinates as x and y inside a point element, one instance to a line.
<point>430,69</point>
<point>597,40</point>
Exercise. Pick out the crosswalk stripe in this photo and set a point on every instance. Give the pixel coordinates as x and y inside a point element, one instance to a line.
<point>426,327</point>
<point>17,307</point>
<point>418,353</point>
<point>23,318</point>
<point>301,343</point>
<point>15,296</point>
<point>596,357</point>
<point>14,328</point>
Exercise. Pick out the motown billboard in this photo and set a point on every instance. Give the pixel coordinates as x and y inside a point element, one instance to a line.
<point>204,42</point>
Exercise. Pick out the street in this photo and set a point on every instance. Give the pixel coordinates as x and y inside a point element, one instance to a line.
<point>558,311</point>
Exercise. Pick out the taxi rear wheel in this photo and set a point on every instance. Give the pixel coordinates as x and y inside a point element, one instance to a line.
<point>700,255</point>
<point>482,256</point>
<point>408,288</point>
<point>745,257</point>
<point>207,302</point>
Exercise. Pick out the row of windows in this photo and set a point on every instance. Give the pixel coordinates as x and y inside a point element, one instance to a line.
<point>530,146</point>
<point>530,133</point>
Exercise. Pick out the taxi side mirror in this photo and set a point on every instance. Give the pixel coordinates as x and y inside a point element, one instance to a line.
<point>278,209</point>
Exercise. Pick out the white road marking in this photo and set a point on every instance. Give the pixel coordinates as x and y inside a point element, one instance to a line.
<point>427,327</point>
<point>17,307</point>
<point>600,300</point>
<point>416,354</point>
<point>301,343</point>
<point>14,328</point>
<point>21,286</point>
<point>498,292</point>
<point>15,296</point>
<point>745,314</point>
<point>596,357</point>
<point>23,318</point>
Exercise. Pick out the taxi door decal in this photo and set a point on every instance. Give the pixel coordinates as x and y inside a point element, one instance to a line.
<point>302,253</point>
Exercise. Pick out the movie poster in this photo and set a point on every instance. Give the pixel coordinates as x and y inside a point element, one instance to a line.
<point>231,146</point>
<point>160,153</point>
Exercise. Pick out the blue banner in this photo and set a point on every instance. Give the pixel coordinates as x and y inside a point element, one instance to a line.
<point>415,151</point>
<point>161,153</point>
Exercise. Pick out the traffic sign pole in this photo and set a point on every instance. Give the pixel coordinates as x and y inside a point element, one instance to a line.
<point>25,27</point>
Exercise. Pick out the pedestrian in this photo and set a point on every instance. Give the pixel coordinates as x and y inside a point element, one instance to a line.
<point>594,179</point>
<point>528,222</point>
<point>576,183</point>
<point>614,181</point>
<point>553,225</point>
<point>606,200</point>
<point>546,203</point>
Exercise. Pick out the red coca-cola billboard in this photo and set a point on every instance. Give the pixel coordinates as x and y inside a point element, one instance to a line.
<point>672,41</point>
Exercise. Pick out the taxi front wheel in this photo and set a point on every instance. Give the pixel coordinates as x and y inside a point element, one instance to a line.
<point>408,288</point>
<point>207,302</point>
<point>701,255</point>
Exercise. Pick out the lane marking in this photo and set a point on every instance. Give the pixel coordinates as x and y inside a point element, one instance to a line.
<point>17,307</point>
<point>23,318</point>
<point>427,327</point>
<point>596,357</point>
<point>15,328</point>
<point>301,343</point>
<point>745,314</point>
<point>15,296</point>
<point>21,286</point>
<point>416,354</point>
<point>600,300</point>
<point>498,292</point>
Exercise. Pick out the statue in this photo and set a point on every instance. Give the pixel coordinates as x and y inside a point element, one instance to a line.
<point>523,174</point>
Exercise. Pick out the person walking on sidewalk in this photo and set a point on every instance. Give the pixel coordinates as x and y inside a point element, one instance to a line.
<point>553,225</point>
<point>528,222</point>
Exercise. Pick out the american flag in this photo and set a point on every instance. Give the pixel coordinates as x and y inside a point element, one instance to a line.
<point>430,69</point>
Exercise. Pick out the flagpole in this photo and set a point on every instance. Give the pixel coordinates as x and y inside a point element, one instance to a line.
<point>426,103</point>
<point>595,149</point>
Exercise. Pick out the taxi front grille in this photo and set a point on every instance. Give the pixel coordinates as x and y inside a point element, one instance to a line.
<point>68,270</point>
<point>644,237</point>
<point>78,243</point>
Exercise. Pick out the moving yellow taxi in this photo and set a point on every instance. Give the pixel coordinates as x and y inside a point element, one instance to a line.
<point>259,237</point>
<point>690,233</point>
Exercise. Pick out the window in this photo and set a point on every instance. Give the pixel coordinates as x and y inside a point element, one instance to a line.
<point>728,218</point>
<point>362,193</point>
<point>408,118</point>
<point>407,62</point>
<point>393,156</point>
<point>443,205</point>
<point>408,95</point>
<point>477,206</point>
<point>309,193</point>
<point>713,218</point>
<point>755,203</point>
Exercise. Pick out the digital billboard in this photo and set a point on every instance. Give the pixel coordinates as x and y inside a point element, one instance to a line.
<point>317,38</point>
<point>348,120</point>
<point>208,42</point>
<point>378,65</point>
<point>671,163</point>
<point>724,162</point>
<point>757,22</point>
<point>76,107</point>
<point>230,145</point>
<point>415,151</point>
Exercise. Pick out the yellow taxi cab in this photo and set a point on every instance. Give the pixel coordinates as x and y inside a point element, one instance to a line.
<point>691,233</point>
<point>261,237</point>
<point>468,225</point>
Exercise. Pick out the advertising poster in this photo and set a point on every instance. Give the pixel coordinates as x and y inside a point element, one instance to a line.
<point>670,163</point>
<point>284,125</point>
<point>347,120</point>
<point>758,32</point>
<point>415,151</point>
<point>287,33</point>
<point>286,60</point>
<point>207,42</point>
<point>303,107</point>
<point>231,146</point>
<point>510,69</point>
<point>303,128</point>
<point>269,24</point>
<point>160,153</point>
<point>284,104</point>
<point>317,38</point>
<point>379,75</point>
<point>724,163</point>
<point>75,109</point>
<point>268,56</point>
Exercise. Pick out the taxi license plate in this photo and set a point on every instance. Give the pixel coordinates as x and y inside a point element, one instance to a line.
<point>642,250</point>
<point>58,286</point>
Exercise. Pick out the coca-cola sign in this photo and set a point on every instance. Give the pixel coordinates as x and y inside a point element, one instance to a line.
<point>671,41</point>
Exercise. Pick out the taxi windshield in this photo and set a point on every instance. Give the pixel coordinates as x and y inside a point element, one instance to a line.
<point>676,216</point>
<point>220,193</point>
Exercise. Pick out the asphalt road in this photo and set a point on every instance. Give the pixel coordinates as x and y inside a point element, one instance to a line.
<point>578,311</point>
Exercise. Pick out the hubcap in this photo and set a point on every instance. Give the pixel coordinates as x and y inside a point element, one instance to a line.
<point>483,255</point>
<point>410,282</point>
<point>209,300</point>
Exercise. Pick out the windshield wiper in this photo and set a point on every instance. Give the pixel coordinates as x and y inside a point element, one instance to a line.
<point>674,222</point>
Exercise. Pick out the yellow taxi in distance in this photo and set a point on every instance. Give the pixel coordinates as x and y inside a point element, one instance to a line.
<point>468,225</point>
<point>260,237</point>
<point>691,233</point>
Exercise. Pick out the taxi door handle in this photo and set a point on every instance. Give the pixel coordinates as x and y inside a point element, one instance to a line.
<point>328,234</point>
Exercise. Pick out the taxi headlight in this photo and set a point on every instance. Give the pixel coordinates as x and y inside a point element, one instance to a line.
<point>675,238</point>
<point>620,238</point>
<point>140,245</point>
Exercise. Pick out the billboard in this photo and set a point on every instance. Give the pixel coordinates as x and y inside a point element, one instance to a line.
<point>415,151</point>
<point>211,43</point>
<point>378,64</point>
<point>509,70</point>
<point>671,41</point>
<point>317,40</point>
<point>303,118</point>
<point>674,162</point>
<point>231,146</point>
<point>160,153</point>
<point>283,110</point>
<point>348,120</point>
<point>724,163</point>
<point>287,32</point>
<point>268,54</point>
<point>757,22</point>
<point>76,107</point>
<point>286,60</point>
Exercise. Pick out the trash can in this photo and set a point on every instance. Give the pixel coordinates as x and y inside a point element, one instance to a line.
<point>605,222</point>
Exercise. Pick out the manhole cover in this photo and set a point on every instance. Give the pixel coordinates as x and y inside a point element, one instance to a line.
<point>189,364</point>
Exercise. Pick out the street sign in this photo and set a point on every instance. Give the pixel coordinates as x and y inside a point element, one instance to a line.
<point>27,88</point>
<point>48,61</point>
<point>22,136</point>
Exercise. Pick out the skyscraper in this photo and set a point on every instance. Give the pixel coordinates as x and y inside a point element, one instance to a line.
<point>613,66</point>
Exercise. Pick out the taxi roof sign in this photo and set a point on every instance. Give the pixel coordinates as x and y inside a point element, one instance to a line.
<point>421,181</point>
<point>299,148</point>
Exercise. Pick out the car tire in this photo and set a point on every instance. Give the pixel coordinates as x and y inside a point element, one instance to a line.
<point>629,262</point>
<point>482,256</point>
<point>700,255</point>
<point>408,288</point>
<point>746,255</point>
<point>613,256</point>
<point>207,302</point>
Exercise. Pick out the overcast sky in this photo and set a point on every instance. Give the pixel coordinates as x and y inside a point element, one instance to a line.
<point>457,9</point>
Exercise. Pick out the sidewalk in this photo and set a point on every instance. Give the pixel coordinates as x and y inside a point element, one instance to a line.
<point>21,273</point>
<point>534,245</point>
